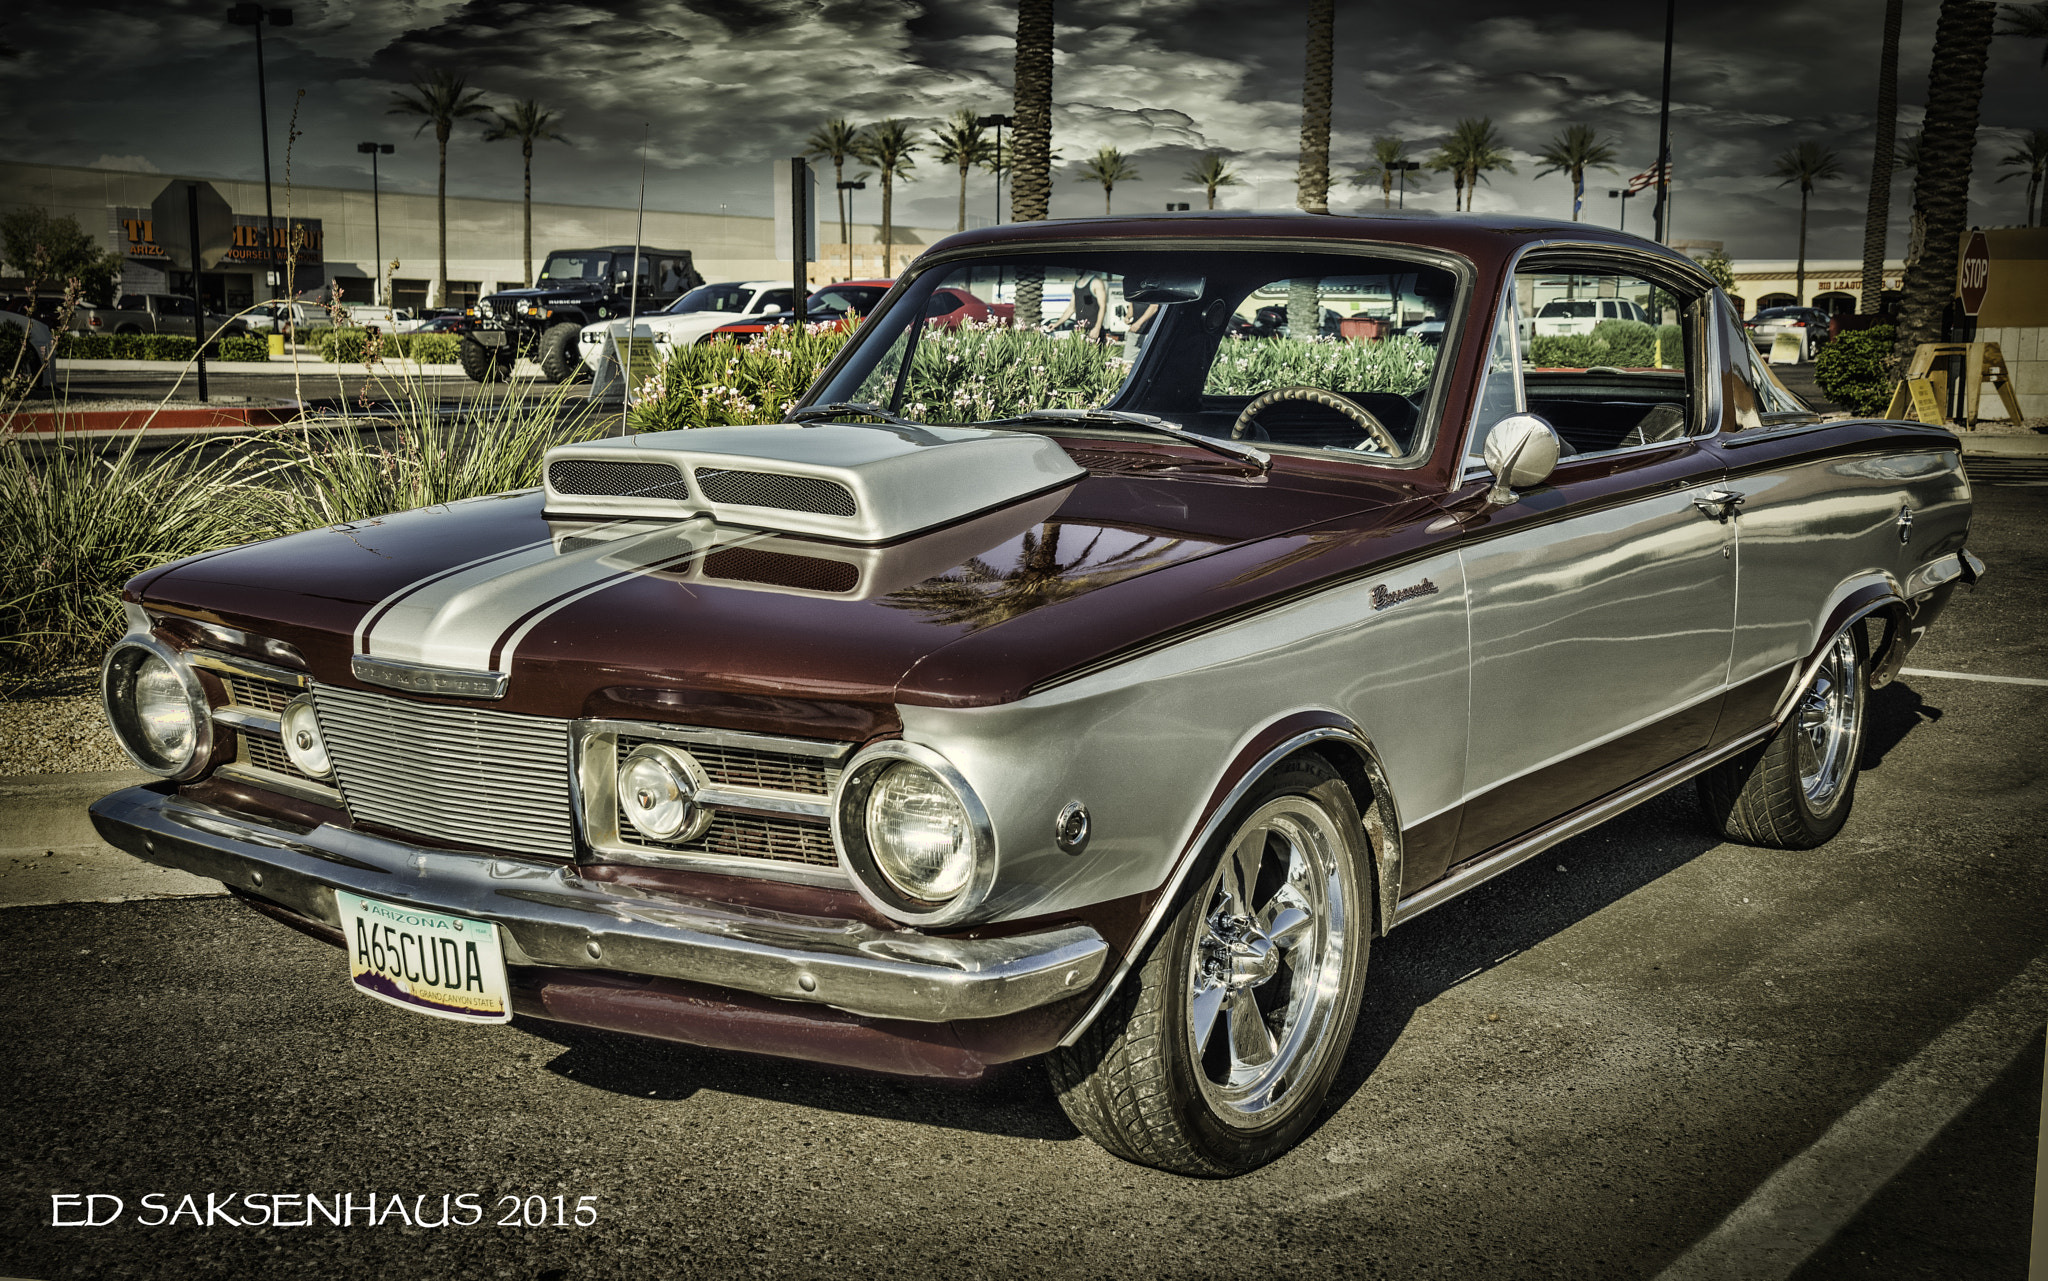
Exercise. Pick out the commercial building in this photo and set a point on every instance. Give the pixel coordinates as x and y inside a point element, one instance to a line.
<point>330,236</point>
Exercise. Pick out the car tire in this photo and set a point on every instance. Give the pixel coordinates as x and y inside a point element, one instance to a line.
<point>484,364</point>
<point>560,361</point>
<point>1217,1053</point>
<point>1795,791</point>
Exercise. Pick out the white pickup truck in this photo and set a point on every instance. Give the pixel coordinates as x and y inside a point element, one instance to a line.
<point>150,314</point>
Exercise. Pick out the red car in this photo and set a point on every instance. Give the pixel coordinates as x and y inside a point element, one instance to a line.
<point>947,309</point>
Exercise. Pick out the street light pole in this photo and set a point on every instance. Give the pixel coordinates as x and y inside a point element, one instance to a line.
<point>1625,197</point>
<point>850,187</point>
<point>998,121</point>
<point>373,150</point>
<point>1406,167</point>
<point>253,15</point>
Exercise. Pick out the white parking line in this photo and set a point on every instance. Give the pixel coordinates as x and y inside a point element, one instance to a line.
<point>1801,1207</point>
<point>1972,676</point>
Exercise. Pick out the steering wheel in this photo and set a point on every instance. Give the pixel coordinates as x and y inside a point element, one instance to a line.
<point>1374,428</point>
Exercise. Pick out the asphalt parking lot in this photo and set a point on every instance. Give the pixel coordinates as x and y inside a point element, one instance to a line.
<point>1645,1054</point>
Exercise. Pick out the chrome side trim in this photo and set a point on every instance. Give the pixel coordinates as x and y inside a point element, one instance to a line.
<point>720,737</point>
<point>249,667</point>
<point>1390,821</point>
<point>285,784</point>
<point>1580,820</point>
<point>424,678</point>
<point>551,917</point>
<point>236,719</point>
<point>1942,569</point>
<point>220,634</point>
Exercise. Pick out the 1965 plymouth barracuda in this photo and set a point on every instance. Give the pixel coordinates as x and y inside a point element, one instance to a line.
<point>1022,695</point>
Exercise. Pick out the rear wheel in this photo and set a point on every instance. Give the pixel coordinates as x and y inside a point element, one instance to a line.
<point>484,364</point>
<point>1795,791</point>
<point>1216,1055</point>
<point>560,362</point>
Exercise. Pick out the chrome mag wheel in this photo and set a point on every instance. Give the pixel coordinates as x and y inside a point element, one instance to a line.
<point>1828,726</point>
<point>1267,968</point>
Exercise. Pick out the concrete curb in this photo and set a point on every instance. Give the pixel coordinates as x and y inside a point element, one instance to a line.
<point>50,853</point>
<point>2005,446</point>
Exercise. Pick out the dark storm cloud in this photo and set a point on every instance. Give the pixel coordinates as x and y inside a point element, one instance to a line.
<point>718,88</point>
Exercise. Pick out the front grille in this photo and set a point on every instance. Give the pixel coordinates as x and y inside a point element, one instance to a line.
<point>779,840</point>
<point>767,489</point>
<point>468,775</point>
<point>269,754</point>
<point>746,767</point>
<point>258,695</point>
<point>618,480</point>
<point>780,569</point>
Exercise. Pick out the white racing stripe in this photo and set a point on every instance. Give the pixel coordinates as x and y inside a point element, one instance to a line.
<point>1801,1207</point>
<point>1972,676</point>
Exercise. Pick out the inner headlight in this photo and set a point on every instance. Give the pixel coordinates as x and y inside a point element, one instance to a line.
<point>658,791</point>
<point>157,709</point>
<point>302,740</point>
<point>919,832</point>
<point>913,835</point>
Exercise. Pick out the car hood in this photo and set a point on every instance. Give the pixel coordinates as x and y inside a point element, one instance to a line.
<point>975,613</point>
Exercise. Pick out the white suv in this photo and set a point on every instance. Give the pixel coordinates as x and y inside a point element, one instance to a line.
<point>1578,315</point>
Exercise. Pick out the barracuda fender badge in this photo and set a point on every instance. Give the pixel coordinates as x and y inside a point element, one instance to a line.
<point>1382,598</point>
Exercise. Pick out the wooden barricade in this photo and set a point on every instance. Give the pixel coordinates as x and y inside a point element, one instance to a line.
<point>1923,394</point>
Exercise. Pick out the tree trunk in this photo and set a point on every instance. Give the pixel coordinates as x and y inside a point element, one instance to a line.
<point>1799,277</point>
<point>1457,190</point>
<point>845,231</point>
<point>1031,154</point>
<point>1941,187</point>
<point>1578,192</point>
<point>441,212</point>
<point>1312,181</point>
<point>963,200</point>
<point>888,226</point>
<point>528,278</point>
<point>1108,189</point>
<point>1877,217</point>
<point>1386,189</point>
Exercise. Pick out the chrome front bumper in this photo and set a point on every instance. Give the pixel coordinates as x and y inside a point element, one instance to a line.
<point>552,917</point>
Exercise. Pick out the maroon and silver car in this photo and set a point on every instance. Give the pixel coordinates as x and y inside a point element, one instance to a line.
<point>1026,695</point>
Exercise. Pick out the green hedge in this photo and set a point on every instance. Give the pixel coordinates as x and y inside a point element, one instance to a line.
<point>347,346</point>
<point>1857,370</point>
<point>1625,344</point>
<point>237,347</point>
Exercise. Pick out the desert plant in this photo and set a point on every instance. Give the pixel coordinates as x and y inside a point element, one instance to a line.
<point>1858,370</point>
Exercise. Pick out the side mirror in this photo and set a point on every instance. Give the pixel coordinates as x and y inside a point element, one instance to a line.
<point>1522,449</point>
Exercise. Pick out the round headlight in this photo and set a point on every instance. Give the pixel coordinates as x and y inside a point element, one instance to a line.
<point>302,741</point>
<point>920,833</point>
<point>658,793</point>
<point>157,709</point>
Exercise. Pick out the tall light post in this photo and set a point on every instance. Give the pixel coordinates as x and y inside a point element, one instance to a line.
<point>998,122</point>
<point>373,150</point>
<point>848,233</point>
<point>1406,167</point>
<point>254,15</point>
<point>1624,197</point>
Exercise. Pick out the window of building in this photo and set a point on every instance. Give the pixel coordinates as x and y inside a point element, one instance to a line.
<point>409,294</point>
<point>463,293</point>
<point>354,291</point>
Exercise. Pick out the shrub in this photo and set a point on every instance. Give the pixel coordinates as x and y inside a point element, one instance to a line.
<point>348,346</point>
<point>721,383</point>
<point>1253,365</point>
<point>175,347</point>
<point>1858,371</point>
<point>1624,344</point>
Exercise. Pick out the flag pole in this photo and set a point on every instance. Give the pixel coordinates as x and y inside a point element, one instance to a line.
<point>1664,125</point>
<point>633,291</point>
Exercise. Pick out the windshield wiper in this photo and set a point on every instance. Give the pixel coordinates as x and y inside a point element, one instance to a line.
<point>1242,453</point>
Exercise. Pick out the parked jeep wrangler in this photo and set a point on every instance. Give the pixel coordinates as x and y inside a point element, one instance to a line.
<point>577,287</point>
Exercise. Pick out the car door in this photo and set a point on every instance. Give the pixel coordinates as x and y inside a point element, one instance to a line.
<point>1602,601</point>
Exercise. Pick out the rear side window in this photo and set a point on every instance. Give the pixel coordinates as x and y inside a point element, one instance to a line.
<point>776,300</point>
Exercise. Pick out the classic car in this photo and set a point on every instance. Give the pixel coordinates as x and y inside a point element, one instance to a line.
<point>1017,697</point>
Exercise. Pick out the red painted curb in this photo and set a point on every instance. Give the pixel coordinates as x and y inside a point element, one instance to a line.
<point>51,421</point>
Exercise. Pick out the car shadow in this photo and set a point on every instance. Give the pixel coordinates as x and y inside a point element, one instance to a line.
<point>1892,713</point>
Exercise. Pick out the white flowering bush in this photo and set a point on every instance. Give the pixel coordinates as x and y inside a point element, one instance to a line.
<point>721,383</point>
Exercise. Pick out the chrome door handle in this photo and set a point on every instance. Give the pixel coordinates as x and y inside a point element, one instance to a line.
<point>1720,503</point>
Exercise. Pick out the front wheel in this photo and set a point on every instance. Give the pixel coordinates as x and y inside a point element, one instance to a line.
<point>1216,1055</point>
<point>484,364</point>
<point>1794,792</point>
<point>560,362</point>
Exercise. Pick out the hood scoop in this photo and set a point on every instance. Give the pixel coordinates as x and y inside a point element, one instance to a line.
<point>855,484</point>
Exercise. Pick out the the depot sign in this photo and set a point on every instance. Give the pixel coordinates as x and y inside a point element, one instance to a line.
<point>248,248</point>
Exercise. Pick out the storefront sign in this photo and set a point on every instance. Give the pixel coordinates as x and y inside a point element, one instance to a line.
<point>138,227</point>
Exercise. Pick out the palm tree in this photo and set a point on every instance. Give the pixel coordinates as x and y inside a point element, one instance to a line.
<point>1908,158</point>
<point>961,142</point>
<point>1877,215</point>
<point>529,122</point>
<point>1941,188</point>
<point>889,147</point>
<point>1573,152</point>
<point>1449,157</point>
<point>1483,153</point>
<point>1389,154</point>
<point>441,99</point>
<point>2030,160</point>
<point>1109,167</point>
<point>1312,182</point>
<point>1212,172</point>
<point>1031,177</point>
<point>835,141</point>
<point>1805,164</point>
<point>2029,22</point>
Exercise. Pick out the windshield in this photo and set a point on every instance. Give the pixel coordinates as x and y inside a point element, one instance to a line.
<point>1571,310</point>
<point>562,268</point>
<point>1195,337</point>
<point>731,298</point>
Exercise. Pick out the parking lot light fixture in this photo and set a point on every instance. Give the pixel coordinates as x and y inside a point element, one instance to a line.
<point>254,16</point>
<point>997,122</point>
<point>373,150</point>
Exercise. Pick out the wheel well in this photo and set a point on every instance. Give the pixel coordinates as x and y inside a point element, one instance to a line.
<point>1361,774</point>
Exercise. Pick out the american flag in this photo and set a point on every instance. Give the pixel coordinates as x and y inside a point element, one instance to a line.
<point>1648,178</point>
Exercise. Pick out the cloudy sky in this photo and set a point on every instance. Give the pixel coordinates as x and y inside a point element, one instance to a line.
<point>719,88</point>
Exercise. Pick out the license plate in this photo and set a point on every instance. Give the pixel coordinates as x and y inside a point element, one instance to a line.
<point>426,961</point>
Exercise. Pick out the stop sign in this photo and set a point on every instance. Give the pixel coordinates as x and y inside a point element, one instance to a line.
<point>172,213</point>
<point>1973,276</point>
